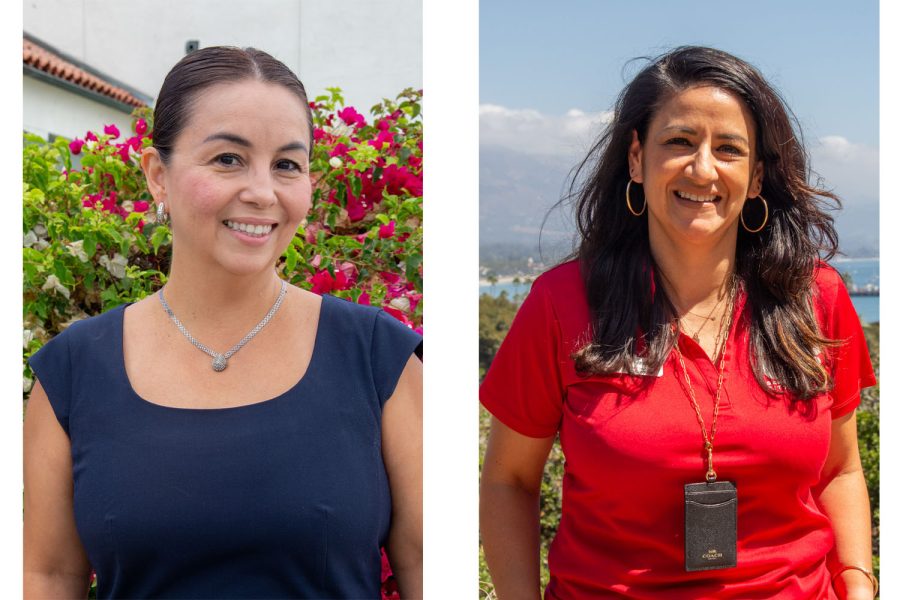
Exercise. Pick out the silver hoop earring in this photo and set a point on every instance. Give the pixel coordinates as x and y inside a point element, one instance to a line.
<point>162,217</point>
<point>765,216</point>
<point>628,201</point>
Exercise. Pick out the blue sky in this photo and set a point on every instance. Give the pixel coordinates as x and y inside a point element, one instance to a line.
<point>823,56</point>
<point>549,74</point>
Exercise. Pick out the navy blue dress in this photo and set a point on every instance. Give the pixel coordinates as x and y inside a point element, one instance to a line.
<point>286,498</point>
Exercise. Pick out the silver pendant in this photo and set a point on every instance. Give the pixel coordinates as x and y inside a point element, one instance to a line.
<point>220,361</point>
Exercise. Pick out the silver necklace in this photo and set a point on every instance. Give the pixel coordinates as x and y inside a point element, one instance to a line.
<point>220,361</point>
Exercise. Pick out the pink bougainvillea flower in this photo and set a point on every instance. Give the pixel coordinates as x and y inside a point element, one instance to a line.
<point>135,143</point>
<point>414,300</point>
<point>122,152</point>
<point>324,282</point>
<point>75,146</point>
<point>384,138</point>
<point>350,272</point>
<point>384,124</point>
<point>140,127</point>
<point>341,281</point>
<point>397,314</point>
<point>339,150</point>
<point>389,277</point>
<point>349,116</point>
<point>389,589</point>
<point>386,231</point>
<point>356,208</point>
<point>318,134</point>
<point>364,299</point>
<point>90,136</point>
<point>111,130</point>
<point>141,206</point>
<point>140,226</point>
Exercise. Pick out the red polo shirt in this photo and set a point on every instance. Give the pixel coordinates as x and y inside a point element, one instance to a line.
<point>630,449</point>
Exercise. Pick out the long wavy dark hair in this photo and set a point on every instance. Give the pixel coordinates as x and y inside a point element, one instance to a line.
<point>775,265</point>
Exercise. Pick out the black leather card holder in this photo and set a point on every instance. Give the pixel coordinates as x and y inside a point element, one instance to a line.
<point>710,526</point>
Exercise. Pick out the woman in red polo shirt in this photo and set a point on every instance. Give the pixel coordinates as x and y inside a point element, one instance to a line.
<point>699,362</point>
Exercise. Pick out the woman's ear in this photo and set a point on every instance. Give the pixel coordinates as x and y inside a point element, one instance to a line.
<point>155,173</point>
<point>635,158</point>
<point>756,181</point>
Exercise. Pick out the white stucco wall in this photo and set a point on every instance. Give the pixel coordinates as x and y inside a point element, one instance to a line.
<point>370,48</point>
<point>50,109</point>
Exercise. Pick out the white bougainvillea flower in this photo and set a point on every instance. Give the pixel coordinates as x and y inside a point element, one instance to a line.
<point>27,336</point>
<point>76,249</point>
<point>115,265</point>
<point>30,239</point>
<point>53,283</point>
<point>339,130</point>
<point>336,162</point>
<point>40,230</point>
<point>400,303</point>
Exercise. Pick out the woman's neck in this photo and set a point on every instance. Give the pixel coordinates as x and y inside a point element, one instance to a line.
<point>695,278</point>
<point>217,300</point>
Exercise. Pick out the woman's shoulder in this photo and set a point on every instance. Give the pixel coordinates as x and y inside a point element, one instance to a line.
<point>828,283</point>
<point>562,282</point>
<point>340,315</point>
<point>88,329</point>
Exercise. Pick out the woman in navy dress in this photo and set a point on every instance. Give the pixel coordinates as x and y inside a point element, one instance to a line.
<point>277,470</point>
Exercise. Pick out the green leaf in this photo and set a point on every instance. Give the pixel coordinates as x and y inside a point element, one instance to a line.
<point>413,261</point>
<point>291,258</point>
<point>90,243</point>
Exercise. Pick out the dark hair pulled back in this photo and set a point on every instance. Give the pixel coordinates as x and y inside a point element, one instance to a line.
<point>210,66</point>
<point>775,265</point>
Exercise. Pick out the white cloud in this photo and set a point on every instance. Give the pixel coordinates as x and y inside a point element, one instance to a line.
<point>850,168</point>
<point>530,131</point>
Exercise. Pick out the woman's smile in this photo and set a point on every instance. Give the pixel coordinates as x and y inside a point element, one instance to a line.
<point>698,198</point>
<point>248,230</point>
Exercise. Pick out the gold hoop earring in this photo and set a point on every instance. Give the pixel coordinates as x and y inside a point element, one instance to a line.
<point>765,217</point>
<point>628,200</point>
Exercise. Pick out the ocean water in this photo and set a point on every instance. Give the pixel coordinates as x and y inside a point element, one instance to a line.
<point>862,271</point>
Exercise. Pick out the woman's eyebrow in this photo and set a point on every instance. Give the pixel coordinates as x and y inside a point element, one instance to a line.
<point>229,137</point>
<point>236,139</point>
<point>733,137</point>
<point>690,131</point>
<point>293,146</point>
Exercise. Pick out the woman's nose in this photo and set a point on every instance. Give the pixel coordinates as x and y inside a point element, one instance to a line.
<point>702,168</point>
<point>259,189</point>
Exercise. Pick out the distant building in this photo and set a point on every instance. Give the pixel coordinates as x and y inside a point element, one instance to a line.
<point>370,50</point>
<point>63,96</point>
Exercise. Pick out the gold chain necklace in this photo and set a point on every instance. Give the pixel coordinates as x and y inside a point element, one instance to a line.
<point>710,437</point>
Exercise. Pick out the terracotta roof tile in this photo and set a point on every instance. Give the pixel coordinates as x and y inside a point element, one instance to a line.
<point>44,60</point>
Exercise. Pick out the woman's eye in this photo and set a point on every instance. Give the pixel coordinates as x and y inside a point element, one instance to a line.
<point>729,149</point>
<point>288,165</point>
<point>680,141</point>
<point>228,160</point>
